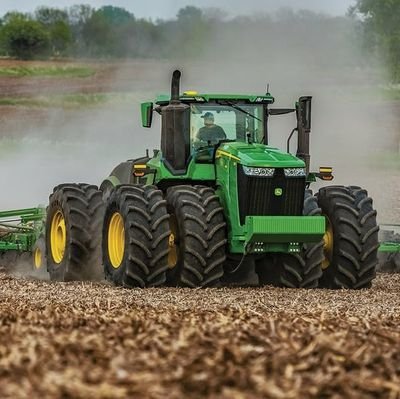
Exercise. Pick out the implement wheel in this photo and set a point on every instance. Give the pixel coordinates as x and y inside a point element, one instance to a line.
<point>135,237</point>
<point>389,262</point>
<point>39,263</point>
<point>73,233</point>
<point>302,270</point>
<point>198,237</point>
<point>351,239</point>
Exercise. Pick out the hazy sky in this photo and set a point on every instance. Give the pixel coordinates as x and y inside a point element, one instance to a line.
<point>168,8</point>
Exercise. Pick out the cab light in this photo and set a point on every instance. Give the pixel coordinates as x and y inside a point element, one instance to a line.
<point>191,93</point>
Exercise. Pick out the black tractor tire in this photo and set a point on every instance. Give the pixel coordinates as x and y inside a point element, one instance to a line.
<point>200,236</point>
<point>301,270</point>
<point>82,209</point>
<point>38,259</point>
<point>144,260</point>
<point>353,257</point>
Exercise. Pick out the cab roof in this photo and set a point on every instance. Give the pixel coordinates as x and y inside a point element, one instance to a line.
<point>194,97</point>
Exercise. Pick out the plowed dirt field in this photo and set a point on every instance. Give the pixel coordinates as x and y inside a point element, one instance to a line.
<point>85,340</point>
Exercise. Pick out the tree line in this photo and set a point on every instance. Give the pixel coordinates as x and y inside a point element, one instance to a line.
<point>114,32</point>
<point>83,31</point>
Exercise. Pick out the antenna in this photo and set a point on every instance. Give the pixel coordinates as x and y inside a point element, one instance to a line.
<point>268,93</point>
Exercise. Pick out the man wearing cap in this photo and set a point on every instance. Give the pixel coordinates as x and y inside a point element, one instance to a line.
<point>210,131</point>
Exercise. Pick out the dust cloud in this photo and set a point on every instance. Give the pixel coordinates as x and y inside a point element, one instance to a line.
<point>302,54</point>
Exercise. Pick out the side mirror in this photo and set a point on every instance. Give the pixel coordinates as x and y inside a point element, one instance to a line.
<point>147,114</point>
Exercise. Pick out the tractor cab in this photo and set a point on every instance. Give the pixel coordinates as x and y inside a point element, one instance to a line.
<point>194,125</point>
<point>215,123</point>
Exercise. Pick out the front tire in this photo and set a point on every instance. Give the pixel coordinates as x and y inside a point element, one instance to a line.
<point>351,239</point>
<point>198,227</point>
<point>135,237</point>
<point>73,233</point>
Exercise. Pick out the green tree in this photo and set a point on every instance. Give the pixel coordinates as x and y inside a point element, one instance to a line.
<point>97,35</point>
<point>23,37</point>
<point>381,25</point>
<point>191,33</point>
<point>49,16</point>
<point>78,16</point>
<point>105,32</point>
<point>115,15</point>
<point>57,24</point>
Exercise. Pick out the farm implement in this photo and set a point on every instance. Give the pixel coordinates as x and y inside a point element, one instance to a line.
<point>22,237</point>
<point>389,251</point>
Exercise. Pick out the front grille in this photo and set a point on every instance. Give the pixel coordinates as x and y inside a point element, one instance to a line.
<point>257,195</point>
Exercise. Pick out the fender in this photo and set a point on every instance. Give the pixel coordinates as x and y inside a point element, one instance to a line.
<point>123,174</point>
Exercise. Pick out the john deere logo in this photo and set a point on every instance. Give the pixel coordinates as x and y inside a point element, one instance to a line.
<point>278,192</point>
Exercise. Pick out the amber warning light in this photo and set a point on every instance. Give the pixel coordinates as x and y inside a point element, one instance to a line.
<point>325,173</point>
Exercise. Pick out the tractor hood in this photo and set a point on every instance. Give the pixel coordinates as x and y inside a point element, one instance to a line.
<point>259,155</point>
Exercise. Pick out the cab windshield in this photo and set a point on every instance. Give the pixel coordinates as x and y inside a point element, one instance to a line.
<point>213,123</point>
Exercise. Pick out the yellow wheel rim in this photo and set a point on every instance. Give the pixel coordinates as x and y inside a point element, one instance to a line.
<point>328,244</point>
<point>116,240</point>
<point>37,258</point>
<point>173,246</point>
<point>58,237</point>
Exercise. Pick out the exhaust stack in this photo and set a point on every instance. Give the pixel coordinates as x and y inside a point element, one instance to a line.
<point>175,130</point>
<point>175,87</point>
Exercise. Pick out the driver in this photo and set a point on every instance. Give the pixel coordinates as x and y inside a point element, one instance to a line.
<point>210,131</point>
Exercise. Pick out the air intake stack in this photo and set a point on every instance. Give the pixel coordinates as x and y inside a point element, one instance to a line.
<point>303,111</point>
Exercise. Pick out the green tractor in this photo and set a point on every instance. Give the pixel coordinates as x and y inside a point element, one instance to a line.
<point>216,204</point>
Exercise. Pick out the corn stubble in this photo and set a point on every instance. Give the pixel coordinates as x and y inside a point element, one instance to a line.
<point>80,340</point>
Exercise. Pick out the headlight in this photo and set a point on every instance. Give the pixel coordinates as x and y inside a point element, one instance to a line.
<point>260,172</point>
<point>295,172</point>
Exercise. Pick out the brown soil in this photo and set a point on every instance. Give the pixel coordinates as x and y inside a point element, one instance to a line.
<point>116,77</point>
<point>83,340</point>
<point>109,77</point>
